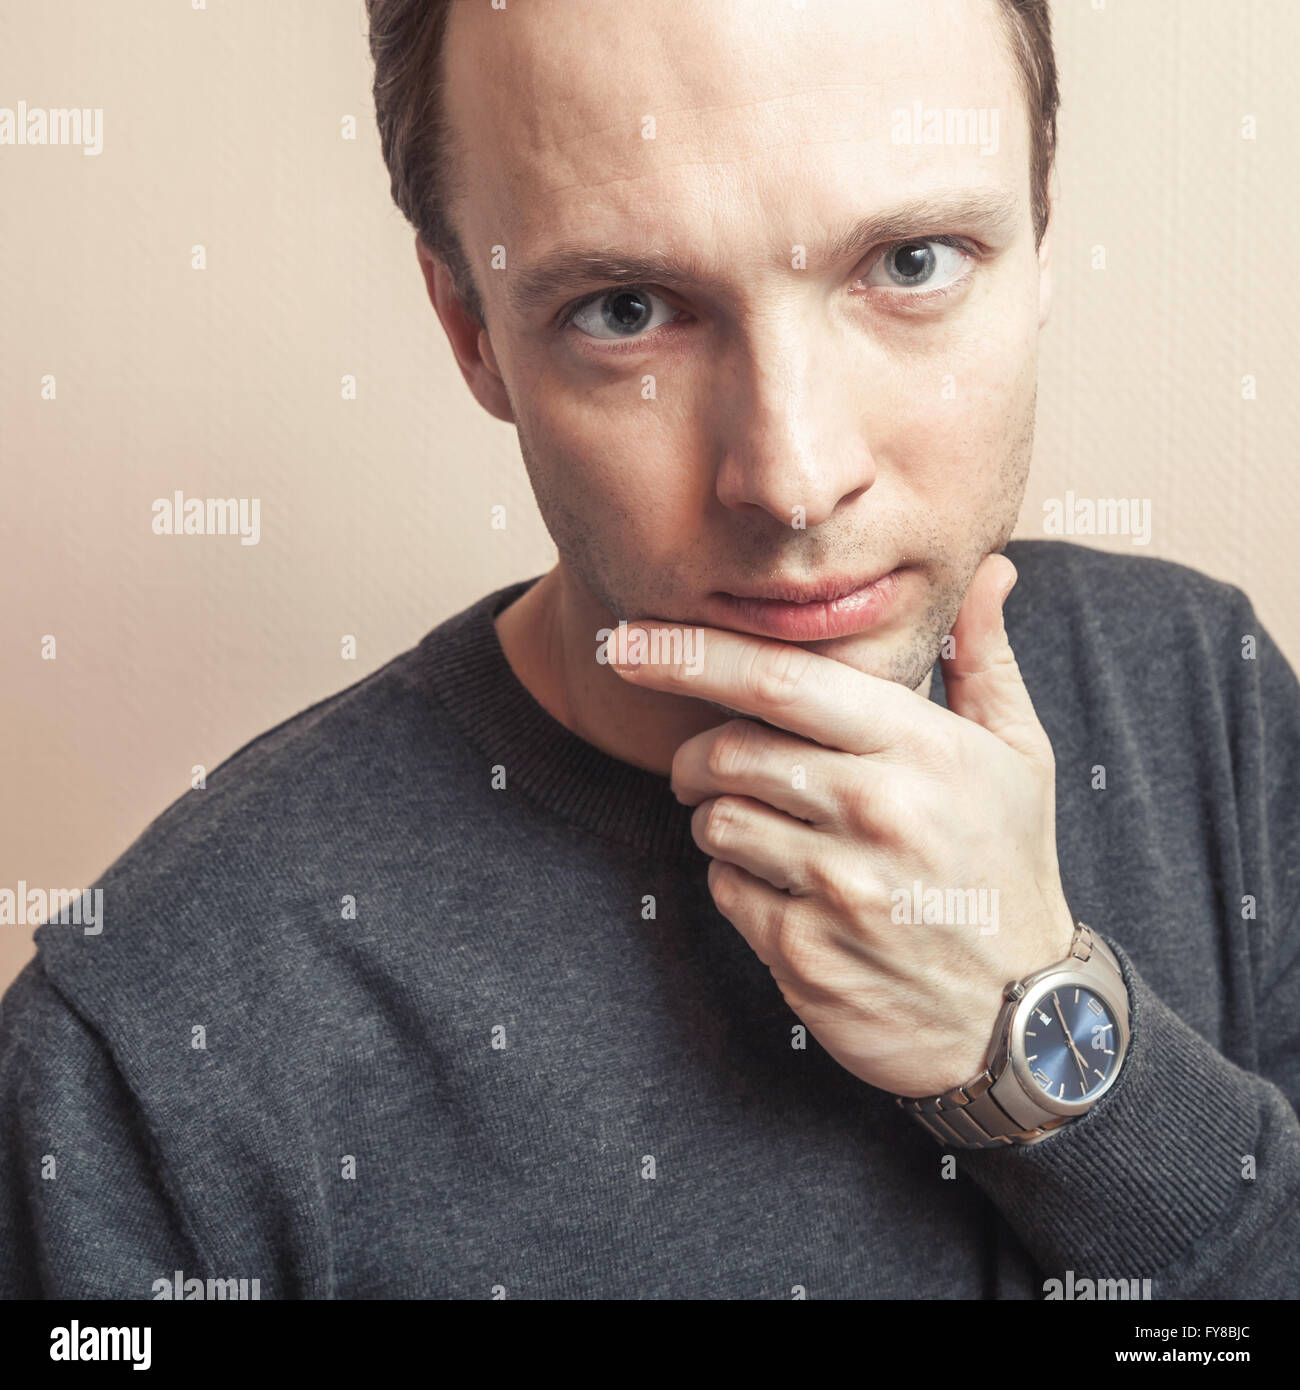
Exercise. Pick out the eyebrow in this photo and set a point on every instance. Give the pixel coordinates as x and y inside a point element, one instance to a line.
<point>993,211</point>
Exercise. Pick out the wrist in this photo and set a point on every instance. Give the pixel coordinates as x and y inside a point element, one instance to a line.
<point>1057,1048</point>
<point>962,1056</point>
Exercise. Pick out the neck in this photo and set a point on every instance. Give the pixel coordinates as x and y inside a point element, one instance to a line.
<point>548,636</point>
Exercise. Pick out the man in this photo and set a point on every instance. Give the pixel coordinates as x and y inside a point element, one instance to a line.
<point>640,932</point>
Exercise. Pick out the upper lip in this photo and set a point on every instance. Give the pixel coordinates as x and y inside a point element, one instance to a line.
<point>814,591</point>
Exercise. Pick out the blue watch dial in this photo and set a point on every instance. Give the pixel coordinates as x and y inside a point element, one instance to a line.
<point>1070,1043</point>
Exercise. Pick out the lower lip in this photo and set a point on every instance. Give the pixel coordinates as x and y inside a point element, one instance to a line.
<point>810,622</point>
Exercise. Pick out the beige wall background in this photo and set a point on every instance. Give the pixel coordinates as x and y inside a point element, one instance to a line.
<point>225,127</point>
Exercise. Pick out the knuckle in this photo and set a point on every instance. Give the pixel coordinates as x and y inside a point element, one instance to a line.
<point>861,801</point>
<point>777,674</point>
<point>817,878</point>
<point>949,747</point>
<point>795,941</point>
<point>716,821</point>
<point>729,753</point>
<point>854,899</point>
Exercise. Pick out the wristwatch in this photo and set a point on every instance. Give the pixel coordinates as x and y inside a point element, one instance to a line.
<point>1057,1048</point>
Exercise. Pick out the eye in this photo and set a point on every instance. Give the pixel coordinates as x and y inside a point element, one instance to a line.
<point>926,263</point>
<point>625,312</point>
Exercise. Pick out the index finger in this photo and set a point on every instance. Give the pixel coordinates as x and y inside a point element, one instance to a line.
<point>785,685</point>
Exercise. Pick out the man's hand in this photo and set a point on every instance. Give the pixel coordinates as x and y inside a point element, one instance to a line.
<point>820,826</point>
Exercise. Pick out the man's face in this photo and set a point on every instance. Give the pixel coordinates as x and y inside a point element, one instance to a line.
<point>767,409</point>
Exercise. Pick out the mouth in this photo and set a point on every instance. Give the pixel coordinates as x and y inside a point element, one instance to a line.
<point>816,611</point>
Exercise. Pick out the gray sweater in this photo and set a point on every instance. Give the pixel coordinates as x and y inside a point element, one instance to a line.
<point>362,1023</point>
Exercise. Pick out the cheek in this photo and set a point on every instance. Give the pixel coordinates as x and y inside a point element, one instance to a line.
<point>613,454</point>
<point>964,423</point>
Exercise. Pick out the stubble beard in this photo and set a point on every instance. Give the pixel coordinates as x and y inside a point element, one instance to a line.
<point>591,557</point>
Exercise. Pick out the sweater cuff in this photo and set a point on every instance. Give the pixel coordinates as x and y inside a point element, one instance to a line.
<point>1152,1167</point>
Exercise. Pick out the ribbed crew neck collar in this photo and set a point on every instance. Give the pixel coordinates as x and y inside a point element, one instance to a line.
<point>465,668</point>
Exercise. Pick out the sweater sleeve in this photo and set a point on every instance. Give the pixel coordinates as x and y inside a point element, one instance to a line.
<point>84,1211</point>
<point>1188,1173</point>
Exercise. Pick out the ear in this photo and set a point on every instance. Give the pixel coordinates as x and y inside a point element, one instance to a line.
<point>467,336</point>
<point>1045,263</point>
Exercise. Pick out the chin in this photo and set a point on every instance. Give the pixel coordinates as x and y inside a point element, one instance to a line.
<point>891,659</point>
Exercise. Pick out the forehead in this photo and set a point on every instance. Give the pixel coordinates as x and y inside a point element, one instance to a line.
<point>672,122</point>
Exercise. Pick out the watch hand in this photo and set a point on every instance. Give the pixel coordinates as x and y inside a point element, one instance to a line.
<point>1083,1066</point>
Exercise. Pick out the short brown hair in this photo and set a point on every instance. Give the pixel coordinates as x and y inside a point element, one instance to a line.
<point>406,42</point>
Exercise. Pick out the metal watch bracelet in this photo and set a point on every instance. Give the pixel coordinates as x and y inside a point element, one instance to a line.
<point>968,1116</point>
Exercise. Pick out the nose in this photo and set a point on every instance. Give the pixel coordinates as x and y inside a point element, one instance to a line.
<point>793,443</point>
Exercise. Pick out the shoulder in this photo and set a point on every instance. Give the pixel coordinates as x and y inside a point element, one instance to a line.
<point>235,878</point>
<point>40,1039</point>
<point>1157,656</point>
<point>1128,582</point>
<point>1130,610</point>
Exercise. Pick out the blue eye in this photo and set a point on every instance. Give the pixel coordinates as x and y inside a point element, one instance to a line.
<point>1070,1043</point>
<point>625,312</point>
<point>928,263</point>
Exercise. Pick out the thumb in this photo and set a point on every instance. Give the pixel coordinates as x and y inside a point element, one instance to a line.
<point>982,679</point>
